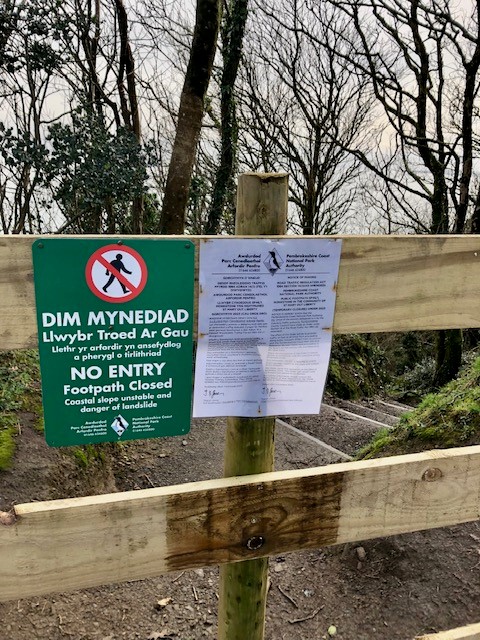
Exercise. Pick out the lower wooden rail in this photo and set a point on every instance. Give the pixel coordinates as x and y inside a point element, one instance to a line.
<point>82,542</point>
<point>470,632</point>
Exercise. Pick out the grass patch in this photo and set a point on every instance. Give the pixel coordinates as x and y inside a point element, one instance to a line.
<point>20,381</point>
<point>449,418</point>
<point>8,431</point>
<point>19,391</point>
<point>90,454</point>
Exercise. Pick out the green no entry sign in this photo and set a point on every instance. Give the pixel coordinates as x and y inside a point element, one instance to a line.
<point>115,327</point>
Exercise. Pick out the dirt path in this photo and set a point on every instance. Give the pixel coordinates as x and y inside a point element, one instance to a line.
<point>391,588</point>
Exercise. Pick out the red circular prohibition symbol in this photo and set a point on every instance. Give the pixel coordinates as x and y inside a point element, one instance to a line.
<point>116,273</point>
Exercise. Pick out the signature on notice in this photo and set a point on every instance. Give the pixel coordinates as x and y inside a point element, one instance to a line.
<point>270,392</point>
<point>212,393</point>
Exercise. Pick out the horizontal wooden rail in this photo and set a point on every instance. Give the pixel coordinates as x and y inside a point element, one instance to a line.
<point>82,542</point>
<point>470,632</point>
<point>386,283</point>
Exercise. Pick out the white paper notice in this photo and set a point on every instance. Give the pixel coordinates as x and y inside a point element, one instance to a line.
<point>265,319</point>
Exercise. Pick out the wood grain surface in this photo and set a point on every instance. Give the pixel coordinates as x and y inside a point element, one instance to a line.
<point>83,542</point>
<point>386,283</point>
<point>470,632</point>
<point>262,206</point>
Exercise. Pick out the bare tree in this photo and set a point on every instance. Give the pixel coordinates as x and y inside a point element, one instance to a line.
<point>407,51</point>
<point>190,116</point>
<point>129,102</point>
<point>28,60</point>
<point>232,41</point>
<point>301,109</point>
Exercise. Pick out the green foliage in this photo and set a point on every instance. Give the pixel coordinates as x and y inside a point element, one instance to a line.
<point>30,35</point>
<point>409,362</point>
<point>93,173</point>
<point>378,444</point>
<point>357,367</point>
<point>19,381</point>
<point>151,216</point>
<point>412,361</point>
<point>449,418</point>
<point>19,391</point>
<point>94,170</point>
<point>198,200</point>
<point>21,149</point>
<point>414,382</point>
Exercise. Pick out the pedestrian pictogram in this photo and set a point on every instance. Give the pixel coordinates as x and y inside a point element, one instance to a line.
<point>116,273</point>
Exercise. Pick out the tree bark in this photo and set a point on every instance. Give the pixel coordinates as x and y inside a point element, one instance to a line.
<point>469,94</point>
<point>190,116</point>
<point>232,37</point>
<point>476,214</point>
<point>129,103</point>
<point>449,356</point>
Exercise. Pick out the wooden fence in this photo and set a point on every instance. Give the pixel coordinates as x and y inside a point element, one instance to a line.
<point>385,284</point>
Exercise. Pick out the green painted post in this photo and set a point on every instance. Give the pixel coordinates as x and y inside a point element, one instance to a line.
<point>262,202</point>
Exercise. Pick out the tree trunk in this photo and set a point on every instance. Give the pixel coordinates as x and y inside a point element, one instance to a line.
<point>468,110</point>
<point>308,222</point>
<point>449,356</point>
<point>232,37</point>
<point>476,214</point>
<point>129,103</point>
<point>190,116</point>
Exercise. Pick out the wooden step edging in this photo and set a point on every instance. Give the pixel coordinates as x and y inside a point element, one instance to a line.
<point>83,542</point>
<point>470,632</point>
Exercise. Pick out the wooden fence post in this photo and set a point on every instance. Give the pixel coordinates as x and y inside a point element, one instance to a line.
<point>262,201</point>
